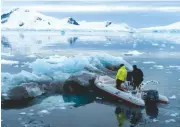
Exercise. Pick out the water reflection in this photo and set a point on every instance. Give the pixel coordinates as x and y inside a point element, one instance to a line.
<point>5,43</point>
<point>133,116</point>
<point>72,40</point>
<point>79,100</point>
<point>53,40</point>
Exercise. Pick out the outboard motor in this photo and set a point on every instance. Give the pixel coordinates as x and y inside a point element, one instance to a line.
<point>151,98</point>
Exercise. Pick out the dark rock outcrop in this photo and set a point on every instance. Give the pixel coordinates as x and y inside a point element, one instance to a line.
<point>72,21</point>
<point>79,83</point>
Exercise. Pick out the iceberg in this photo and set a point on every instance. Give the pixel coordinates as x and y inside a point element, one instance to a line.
<point>57,68</point>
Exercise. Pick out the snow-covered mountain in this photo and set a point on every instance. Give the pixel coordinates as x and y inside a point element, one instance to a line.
<point>175,27</point>
<point>24,19</point>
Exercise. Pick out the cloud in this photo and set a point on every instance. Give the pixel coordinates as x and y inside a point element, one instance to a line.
<point>98,8</point>
<point>89,0</point>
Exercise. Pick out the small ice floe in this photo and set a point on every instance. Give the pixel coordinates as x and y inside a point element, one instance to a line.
<point>170,120</point>
<point>62,107</point>
<point>134,61</point>
<point>6,54</point>
<point>43,112</point>
<point>16,66</point>
<point>98,98</point>
<point>155,44</point>
<point>172,47</point>
<point>19,119</point>
<point>172,54</point>
<point>155,120</point>
<point>131,53</point>
<point>31,110</point>
<point>149,62</point>
<point>23,65</point>
<point>174,115</point>
<point>159,66</point>
<point>172,97</point>
<point>30,114</point>
<point>9,62</point>
<point>169,72</point>
<point>31,56</point>
<point>175,67</point>
<point>22,113</point>
<point>163,45</point>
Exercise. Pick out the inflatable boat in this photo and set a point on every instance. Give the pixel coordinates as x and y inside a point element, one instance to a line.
<point>136,98</point>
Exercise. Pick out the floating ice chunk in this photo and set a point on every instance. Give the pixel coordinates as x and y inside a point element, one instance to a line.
<point>62,107</point>
<point>22,113</point>
<point>170,120</point>
<point>172,97</point>
<point>134,61</point>
<point>10,62</point>
<point>44,112</point>
<point>6,54</point>
<point>16,66</point>
<point>30,114</point>
<point>155,44</point>
<point>163,45</point>
<point>155,120</point>
<point>31,110</point>
<point>31,56</point>
<point>174,115</point>
<point>159,66</point>
<point>175,67</point>
<point>135,52</point>
<point>98,98</point>
<point>172,47</point>
<point>149,62</point>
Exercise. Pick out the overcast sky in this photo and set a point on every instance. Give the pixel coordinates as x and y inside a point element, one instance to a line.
<point>91,5</point>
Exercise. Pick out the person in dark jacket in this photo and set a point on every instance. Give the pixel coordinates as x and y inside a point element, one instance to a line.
<point>137,75</point>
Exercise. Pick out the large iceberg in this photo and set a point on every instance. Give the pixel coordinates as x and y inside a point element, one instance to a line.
<point>56,68</point>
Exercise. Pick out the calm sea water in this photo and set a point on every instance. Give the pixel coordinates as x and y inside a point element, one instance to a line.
<point>156,54</point>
